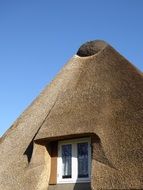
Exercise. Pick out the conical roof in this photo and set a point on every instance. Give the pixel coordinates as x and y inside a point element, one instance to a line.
<point>97,92</point>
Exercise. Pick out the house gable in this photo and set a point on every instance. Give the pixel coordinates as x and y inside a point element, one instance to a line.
<point>98,94</point>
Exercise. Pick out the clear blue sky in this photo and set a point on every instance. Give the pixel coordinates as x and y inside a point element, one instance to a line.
<point>37,37</point>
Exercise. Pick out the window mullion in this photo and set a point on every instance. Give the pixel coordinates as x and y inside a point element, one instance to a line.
<point>74,163</point>
<point>59,163</point>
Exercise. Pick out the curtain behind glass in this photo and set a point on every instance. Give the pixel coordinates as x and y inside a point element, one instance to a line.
<point>82,155</point>
<point>66,160</point>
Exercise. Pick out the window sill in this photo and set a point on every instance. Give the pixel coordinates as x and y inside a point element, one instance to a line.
<point>73,181</point>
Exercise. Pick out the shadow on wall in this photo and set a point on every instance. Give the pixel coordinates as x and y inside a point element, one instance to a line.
<point>71,186</point>
<point>82,186</point>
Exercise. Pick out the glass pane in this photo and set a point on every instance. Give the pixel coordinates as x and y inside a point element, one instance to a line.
<point>66,160</point>
<point>82,154</point>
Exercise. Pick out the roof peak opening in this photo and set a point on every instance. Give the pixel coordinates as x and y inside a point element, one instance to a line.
<point>91,48</point>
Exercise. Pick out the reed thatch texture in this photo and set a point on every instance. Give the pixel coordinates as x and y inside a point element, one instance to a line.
<point>98,92</point>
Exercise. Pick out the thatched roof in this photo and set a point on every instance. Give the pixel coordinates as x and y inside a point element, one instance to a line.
<point>97,92</point>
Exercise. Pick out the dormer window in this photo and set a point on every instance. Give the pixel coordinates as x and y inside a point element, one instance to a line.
<point>74,161</point>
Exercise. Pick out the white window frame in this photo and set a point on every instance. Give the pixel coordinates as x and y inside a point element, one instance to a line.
<point>74,178</point>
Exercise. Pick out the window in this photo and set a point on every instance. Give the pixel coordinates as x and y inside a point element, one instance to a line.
<point>74,158</point>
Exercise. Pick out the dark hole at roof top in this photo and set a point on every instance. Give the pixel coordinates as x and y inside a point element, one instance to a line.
<point>91,48</point>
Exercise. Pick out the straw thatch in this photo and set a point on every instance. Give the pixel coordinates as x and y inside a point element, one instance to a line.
<point>98,93</point>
